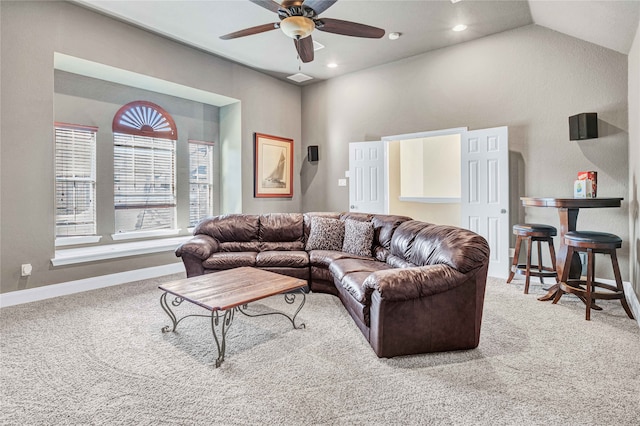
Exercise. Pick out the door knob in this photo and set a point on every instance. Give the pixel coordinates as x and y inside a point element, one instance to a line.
<point>503,211</point>
<point>353,207</point>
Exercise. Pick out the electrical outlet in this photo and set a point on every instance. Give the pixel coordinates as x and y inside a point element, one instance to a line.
<point>25,269</point>
<point>342,182</point>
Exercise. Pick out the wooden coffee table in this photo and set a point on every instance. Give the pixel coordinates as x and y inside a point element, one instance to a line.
<point>227,292</point>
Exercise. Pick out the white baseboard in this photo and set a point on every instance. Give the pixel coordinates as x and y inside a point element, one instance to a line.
<point>632,300</point>
<point>46,292</point>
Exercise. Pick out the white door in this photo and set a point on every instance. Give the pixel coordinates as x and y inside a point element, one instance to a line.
<point>366,177</point>
<point>485,192</point>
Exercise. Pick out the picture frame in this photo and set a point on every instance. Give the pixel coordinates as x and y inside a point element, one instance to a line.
<point>272,166</point>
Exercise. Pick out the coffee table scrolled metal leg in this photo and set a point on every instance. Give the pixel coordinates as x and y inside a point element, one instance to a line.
<point>223,322</point>
<point>165,306</point>
<point>290,299</point>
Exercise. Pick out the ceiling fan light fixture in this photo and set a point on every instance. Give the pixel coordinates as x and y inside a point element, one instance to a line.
<point>297,27</point>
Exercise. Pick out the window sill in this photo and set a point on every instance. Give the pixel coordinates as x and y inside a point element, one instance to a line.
<point>72,241</point>
<point>144,234</point>
<point>114,251</point>
<point>435,200</point>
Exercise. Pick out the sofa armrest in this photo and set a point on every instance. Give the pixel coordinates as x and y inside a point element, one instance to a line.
<point>412,283</point>
<point>200,246</point>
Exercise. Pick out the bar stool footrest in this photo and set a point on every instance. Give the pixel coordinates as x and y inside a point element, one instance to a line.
<point>576,287</point>
<point>521,269</point>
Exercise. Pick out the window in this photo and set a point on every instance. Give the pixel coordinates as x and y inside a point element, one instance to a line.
<point>200,181</point>
<point>144,138</point>
<point>75,167</point>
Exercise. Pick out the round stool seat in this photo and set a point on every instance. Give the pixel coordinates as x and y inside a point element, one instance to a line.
<point>535,229</point>
<point>592,239</point>
<point>528,233</point>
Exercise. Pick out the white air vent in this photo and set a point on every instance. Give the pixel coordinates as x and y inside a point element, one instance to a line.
<point>317,46</point>
<point>299,77</point>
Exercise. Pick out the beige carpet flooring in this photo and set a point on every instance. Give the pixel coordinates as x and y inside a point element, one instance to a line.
<point>99,358</point>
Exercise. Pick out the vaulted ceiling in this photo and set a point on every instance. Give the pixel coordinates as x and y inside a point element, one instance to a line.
<point>424,25</point>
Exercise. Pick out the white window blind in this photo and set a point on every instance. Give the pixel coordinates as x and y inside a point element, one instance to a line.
<point>75,167</point>
<point>200,181</point>
<point>144,183</point>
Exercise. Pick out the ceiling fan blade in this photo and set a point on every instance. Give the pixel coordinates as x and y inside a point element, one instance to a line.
<point>305,48</point>
<point>267,4</point>
<point>347,28</point>
<point>319,6</point>
<point>251,31</point>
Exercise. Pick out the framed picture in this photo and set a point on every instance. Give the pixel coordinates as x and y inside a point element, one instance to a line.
<point>273,167</point>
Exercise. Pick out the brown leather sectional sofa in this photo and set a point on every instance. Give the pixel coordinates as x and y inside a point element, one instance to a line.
<point>421,290</point>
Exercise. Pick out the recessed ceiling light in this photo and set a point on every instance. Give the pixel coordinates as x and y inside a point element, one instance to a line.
<point>459,27</point>
<point>394,36</point>
<point>455,1</point>
<point>332,65</point>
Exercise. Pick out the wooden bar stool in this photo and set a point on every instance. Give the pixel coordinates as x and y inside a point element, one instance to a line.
<point>592,243</point>
<point>533,232</point>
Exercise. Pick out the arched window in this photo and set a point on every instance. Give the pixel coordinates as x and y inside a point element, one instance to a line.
<point>144,118</point>
<point>144,137</point>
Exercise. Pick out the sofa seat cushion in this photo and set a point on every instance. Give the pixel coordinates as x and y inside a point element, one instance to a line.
<point>293,259</point>
<point>281,246</point>
<point>239,246</point>
<point>350,274</point>
<point>320,273</point>
<point>324,258</point>
<point>230,260</point>
<point>300,273</point>
<point>398,262</point>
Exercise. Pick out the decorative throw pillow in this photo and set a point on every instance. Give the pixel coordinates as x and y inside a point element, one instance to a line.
<point>325,234</point>
<point>358,237</point>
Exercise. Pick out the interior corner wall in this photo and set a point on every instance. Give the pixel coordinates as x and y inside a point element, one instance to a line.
<point>634,161</point>
<point>30,33</point>
<point>530,79</point>
<point>231,152</point>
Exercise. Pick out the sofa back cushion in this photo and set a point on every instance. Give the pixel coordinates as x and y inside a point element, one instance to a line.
<point>281,231</point>
<point>234,232</point>
<point>384,226</point>
<point>424,244</point>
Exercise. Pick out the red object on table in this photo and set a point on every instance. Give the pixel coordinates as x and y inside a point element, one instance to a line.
<point>593,176</point>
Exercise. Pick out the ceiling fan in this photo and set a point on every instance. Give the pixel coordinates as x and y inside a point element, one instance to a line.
<point>298,19</point>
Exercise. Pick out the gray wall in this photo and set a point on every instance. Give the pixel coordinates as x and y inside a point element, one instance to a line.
<point>30,34</point>
<point>634,161</point>
<point>530,79</point>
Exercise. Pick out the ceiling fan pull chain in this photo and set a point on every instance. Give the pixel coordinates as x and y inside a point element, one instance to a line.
<point>297,41</point>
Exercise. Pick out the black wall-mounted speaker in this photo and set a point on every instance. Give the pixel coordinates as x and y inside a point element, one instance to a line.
<point>312,153</point>
<point>583,126</point>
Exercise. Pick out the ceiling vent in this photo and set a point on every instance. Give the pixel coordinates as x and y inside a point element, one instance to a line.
<point>299,77</point>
